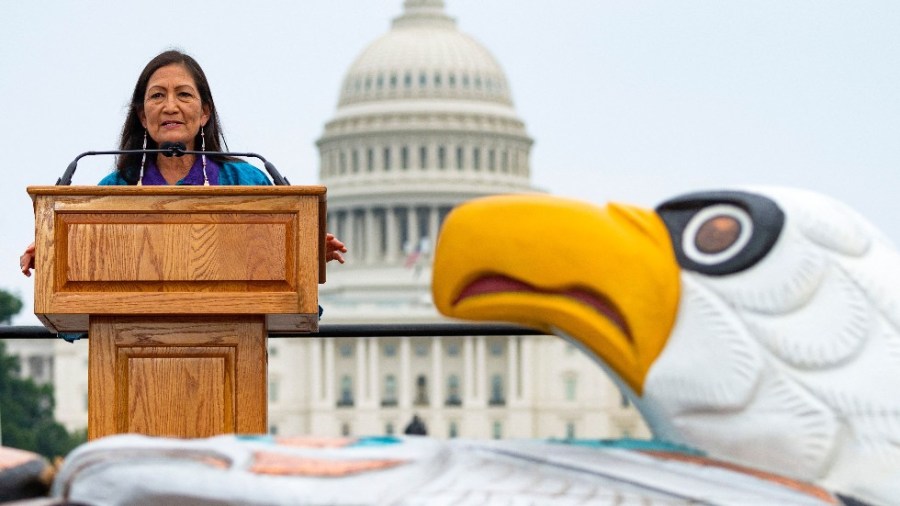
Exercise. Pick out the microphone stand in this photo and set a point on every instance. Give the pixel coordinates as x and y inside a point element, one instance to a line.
<point>170,149</point>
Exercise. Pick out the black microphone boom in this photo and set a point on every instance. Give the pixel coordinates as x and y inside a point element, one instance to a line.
<point>170,149</point>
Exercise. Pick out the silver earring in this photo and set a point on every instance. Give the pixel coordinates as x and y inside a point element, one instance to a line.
<point>203,155</point>
<point>143,160</point>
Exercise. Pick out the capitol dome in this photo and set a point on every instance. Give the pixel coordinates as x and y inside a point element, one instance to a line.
<point>425,56</point>
<point>425,121</point>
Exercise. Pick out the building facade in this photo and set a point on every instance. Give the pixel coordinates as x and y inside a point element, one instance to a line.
<point>425,121</point>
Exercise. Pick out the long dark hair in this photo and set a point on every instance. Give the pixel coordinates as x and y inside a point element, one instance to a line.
<point>128,166</point>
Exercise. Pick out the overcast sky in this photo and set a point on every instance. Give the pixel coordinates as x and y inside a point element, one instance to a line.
<point>627,100</point>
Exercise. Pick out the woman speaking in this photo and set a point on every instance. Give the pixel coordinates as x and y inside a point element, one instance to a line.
<point>172,103</point>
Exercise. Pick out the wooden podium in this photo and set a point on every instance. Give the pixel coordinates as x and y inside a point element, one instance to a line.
<point>178,288</point>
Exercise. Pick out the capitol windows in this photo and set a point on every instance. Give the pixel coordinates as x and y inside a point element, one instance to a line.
<point>370,159</point>
<point>368,83</point>
<point>459,157</point>
<point>453,349</point>
<point>492,165</point>
<point>477,82</point>
<point>346,350</point>
<point>421,390</point>
<point>437,80</point>
<point>389,429</point>
<point>345,429</point>
<point>453,398</point>
<point>476,158</point>
<point>390,391</point>
<point>497,397</point>
<point>497,429</point>
<point>355,161</point>
<point>390,350</point>
<point>451,80</point>
<point>423,80</point>
<point>453,430</point>
<point>442,157</point>
<point>496,347</point>
<point>387,158</point>
<point>423,157</point>
<point>504,161</point>
<point>465,81</point>
<point>404,157</point>
<point>570,430</point>
<point>343,164</point>
<point>421,349</point>
<point>380,81</point>
<point>393,81</point>
<point>407,80</point>
<point>346,392</point>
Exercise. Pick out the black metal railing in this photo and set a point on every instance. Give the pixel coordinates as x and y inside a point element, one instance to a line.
<point>338,330</point>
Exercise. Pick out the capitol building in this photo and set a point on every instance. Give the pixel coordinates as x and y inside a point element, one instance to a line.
<point>424,122</point>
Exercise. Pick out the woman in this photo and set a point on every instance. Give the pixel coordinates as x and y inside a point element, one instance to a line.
<point>172,102</point>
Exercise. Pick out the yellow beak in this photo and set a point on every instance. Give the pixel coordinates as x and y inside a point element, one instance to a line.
<point>606,276</point>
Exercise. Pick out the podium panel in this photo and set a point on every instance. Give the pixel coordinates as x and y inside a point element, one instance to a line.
<point>177,376</point>
<point>179,250</point>
<point>178,288</point>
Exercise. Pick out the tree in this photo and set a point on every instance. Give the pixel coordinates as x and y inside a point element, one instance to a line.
<point>10,305</point>
<point>26,408</point>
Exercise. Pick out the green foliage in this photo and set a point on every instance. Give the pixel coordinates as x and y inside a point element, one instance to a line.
<point>10,305</point>
<point>26,408</point>
<point>26,413</point>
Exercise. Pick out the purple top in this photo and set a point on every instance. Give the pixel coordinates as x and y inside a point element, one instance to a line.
<point>153,177</point>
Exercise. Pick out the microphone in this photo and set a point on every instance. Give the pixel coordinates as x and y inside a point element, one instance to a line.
<point>175,149</point>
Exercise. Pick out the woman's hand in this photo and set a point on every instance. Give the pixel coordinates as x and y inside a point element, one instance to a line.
<point>26,261</point>
<point>333,248</point>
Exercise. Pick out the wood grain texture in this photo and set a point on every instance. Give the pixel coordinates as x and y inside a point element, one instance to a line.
<point>177,376</point>
<point>177,252</point>
<point>166,250</point>
<point>187,394</point>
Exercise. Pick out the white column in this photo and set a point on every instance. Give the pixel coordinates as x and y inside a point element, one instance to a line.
<point>315,367</point>
<point>374,380</point>
<point>469,372</point>
<point>391,229</point>
<point>527,350</point>
<point>412,227</point>
<point>433,225</point>
<point>432,156</point>
<point>353,243</point>
<point>371,236</point>
<point>330,380</point>
<point>362,386</point>
<point>437,373</point>
<point>513,391</point>
<point>481,383</point>
<point>405,374</point>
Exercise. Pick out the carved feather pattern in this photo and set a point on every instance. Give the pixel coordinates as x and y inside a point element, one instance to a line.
<point>827,331</point>
<point>802,445</point>
<point>784,281</point>
<point>714,341</point>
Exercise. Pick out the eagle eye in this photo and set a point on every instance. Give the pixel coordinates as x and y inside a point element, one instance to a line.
<point>721,232</point>
<point>716,234</point>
